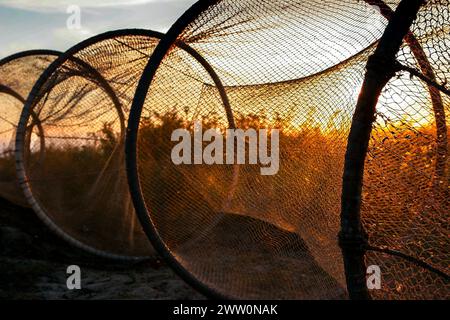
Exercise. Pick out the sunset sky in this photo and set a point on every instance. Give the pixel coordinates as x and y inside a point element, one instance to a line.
<point>41,24</point>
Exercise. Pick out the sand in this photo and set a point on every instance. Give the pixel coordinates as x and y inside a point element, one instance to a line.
<point>33,265</point>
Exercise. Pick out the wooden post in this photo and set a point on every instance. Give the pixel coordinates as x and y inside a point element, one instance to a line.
<point>381,67</point>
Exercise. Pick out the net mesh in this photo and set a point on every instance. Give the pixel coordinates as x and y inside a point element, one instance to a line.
<point>406,185</point>
<point>73,150</point>
<point>296,66</point>
<point>18,74</point>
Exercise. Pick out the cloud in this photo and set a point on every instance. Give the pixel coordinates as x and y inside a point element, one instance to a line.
<point>46,27</point>
<point>61,5</point>
<point>15,47</point>
<point>64,35</point>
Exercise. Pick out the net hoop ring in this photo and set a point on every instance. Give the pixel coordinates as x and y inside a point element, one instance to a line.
<point>150,70</point>
<point>21,143</point>
<point>16,95</point>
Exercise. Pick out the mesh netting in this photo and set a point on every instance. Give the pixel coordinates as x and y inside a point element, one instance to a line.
<point>296,66</point>
<point>406,186</point>
<point>71,154</point>
<point>18,73</point>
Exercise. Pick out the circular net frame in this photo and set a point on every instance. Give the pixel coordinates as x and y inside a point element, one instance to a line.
<point>18,73</point>
<point>71,154</point>
<point>295,66</point>
<point>405,199</point>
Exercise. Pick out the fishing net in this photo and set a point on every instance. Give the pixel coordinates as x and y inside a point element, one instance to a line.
<point>405,203</point>
<point>18,73</point>
<point>295,66</point>
<point>71,153</point>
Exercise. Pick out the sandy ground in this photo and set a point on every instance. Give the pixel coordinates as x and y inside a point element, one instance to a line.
<point>33,265</point>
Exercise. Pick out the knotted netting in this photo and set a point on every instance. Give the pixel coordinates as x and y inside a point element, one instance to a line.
<point>18,73</point>
<point>295,66</point>
<point>71,153</point>
<point>405,206</point>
